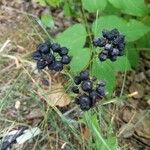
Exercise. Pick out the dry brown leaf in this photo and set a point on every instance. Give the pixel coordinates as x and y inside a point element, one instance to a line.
<point>57,96</point>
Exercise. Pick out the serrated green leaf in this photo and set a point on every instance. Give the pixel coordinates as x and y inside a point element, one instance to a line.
<point>94,5</point>
<point>74,37</point>
<point>47,20</point>
<point>104,71</point>
<point>133,30</point>
<point>80,59</point>
<point>131,7</point>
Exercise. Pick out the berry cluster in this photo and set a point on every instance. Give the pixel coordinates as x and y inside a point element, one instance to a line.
<point>113,43</point>
<point>51,55</point>
<point>87,91</point>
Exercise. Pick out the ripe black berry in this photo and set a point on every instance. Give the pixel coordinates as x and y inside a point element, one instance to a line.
<point>87,86</point>
<point>77,80</point>
<point>115,51</point>
<point>57,66</point>
<point>77,100</point>
<point>93,96</point>
<point>99,42</point>
<point>63,51</point>
<point>102,57</point>
<point>108,47</point>
<point>55,47</point>
<point>43,48</point>
<point>50,58</point>
<point>114,33</point>
<point>36,55</point>
<point>118,40</point>
<point>75,89</point>
<point>101,91</point>
<point>85,102</point>
<point>41,64</point>
<point>84,75</point>
<point>114,45</point>
<point>65,59</point>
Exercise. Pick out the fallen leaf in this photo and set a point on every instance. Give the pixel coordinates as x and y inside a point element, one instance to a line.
<point>57,96</point>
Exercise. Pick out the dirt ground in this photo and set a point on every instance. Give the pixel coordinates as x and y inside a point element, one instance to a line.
<point>19,35</point>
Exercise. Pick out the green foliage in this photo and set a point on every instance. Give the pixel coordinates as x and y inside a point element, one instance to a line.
<point>53,3</point>
<point>107,143</point>
<point>133,55</point>
<point>80,60</point>
<point>133,29</point>
<point>94,5</point>
<point>131,7</point>
<point>73,37</point>
<point>47,20</point>
<point>104,71</point>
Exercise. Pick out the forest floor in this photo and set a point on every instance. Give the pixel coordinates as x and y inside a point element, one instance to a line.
<point>19,35</point>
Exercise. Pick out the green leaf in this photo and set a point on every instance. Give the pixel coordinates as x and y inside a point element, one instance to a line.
<point>133,56</point>
<point>74,37</point>
<point>66,9</point>
<point>133,30</point>
<point>53,3</point>
<point>122,64</point>
<point>80,59</point>
<point>107,22</point>
<point>104,71</point>
<point>131,7</point>
<point>47,20</point>
<point>94,5</point>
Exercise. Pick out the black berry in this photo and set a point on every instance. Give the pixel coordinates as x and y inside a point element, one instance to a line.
<point>113,45</point>
<point>84,75</point>
<point>63,51</point>
<point>41,64</point>
<point>108,47</point>
<point>99,42</point>
<point>84,102</point>
<point>65,59</point>
<point>43,48</point>
<point>87,86</point>
<point>36,55</point>
<point>101,91</point>
<point>55,47</point>
<point>50,58</point>
<point>93,96</point>
<point>102,57</point>
<point>75,89</point>
<point>57,66</point>
<point>77,80</point>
